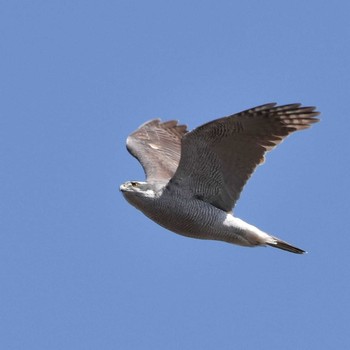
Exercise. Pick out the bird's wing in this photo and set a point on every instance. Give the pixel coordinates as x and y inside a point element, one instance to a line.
<point>157,146</point>
<point>218,158</point>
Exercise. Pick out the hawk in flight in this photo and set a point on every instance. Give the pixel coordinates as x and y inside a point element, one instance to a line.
<point>194,178</point>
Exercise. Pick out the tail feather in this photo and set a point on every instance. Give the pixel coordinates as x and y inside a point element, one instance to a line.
<point>278,243</point>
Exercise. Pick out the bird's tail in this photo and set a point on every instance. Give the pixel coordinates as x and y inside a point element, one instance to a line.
<point>278,243</point>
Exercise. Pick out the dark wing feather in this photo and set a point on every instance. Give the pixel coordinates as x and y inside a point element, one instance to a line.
<point>218,158</point>
<point>157,146</point>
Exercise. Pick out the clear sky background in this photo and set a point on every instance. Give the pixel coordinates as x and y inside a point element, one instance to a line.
<point>82,269</point>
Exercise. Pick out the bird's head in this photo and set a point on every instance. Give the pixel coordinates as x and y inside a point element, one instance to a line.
<point>134,189</point>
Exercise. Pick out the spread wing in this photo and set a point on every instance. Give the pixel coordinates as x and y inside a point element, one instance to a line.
<point>157,146</point>
<point>218,158</point>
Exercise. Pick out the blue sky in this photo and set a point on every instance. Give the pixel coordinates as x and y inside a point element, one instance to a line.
<point>82,269</point>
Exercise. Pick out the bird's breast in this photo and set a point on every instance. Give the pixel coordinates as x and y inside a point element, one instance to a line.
<point>189,217</point>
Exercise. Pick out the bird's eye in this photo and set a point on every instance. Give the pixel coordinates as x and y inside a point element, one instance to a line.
<point>134,184</point>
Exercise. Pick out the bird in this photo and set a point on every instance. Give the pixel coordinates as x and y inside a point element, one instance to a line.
<point>195,178</point>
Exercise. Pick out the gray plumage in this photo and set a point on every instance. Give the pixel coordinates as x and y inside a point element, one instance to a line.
<point>194,179</point>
